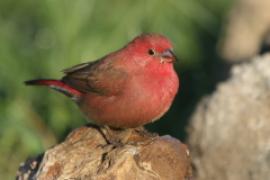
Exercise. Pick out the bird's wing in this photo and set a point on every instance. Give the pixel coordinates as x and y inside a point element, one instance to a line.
<point>99,77</point>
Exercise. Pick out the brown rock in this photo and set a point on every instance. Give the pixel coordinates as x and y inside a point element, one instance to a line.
<point>230,131</point>
<point>86,155</point>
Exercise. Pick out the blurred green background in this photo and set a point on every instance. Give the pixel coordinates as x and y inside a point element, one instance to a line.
<point>40,38</point>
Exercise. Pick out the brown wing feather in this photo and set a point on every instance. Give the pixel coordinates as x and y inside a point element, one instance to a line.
<point>77,67</point>
<point>97,77</point>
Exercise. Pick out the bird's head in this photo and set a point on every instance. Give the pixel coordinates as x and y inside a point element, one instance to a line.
<point>152,48</point>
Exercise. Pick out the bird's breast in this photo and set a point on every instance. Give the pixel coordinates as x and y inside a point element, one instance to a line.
<point>144,98</point>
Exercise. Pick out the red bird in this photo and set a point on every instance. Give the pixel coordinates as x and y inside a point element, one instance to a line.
<point>125,89</point>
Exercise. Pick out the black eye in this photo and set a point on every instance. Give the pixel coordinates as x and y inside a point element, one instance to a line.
<point>151,52</point>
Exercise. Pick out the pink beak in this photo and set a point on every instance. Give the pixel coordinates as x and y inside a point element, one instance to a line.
<point>168,56</point>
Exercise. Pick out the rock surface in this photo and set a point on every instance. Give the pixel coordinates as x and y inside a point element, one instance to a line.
<point>230,130</point>
<point>86,155</point>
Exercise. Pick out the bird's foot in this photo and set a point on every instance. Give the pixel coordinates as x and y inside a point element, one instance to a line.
<point>142,137</point>
<point>114,136</point>
<point>131,136</point>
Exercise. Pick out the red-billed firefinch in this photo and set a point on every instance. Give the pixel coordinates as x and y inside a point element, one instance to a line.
<point>125,89</point>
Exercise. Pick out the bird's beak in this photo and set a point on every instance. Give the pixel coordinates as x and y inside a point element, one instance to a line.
<point>168,56</point>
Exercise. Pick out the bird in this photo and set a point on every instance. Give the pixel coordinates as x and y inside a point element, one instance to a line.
<point>127,88</point>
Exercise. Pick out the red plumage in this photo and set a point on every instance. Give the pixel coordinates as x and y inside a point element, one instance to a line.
<point>57,85</point>
<point>127,88</point>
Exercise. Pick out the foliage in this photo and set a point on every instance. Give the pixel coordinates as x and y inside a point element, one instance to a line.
<point>39,38</point>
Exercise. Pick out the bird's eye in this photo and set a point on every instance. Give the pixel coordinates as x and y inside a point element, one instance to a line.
<point>151,52</point>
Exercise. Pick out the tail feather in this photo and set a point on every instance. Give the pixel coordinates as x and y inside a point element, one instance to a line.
<point>57,85</point>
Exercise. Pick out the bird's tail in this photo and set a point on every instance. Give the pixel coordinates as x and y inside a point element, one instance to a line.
<point>57,85</point>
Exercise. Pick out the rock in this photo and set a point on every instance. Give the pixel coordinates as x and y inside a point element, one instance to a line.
<point>86,155</point>
<point>230,131</point>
